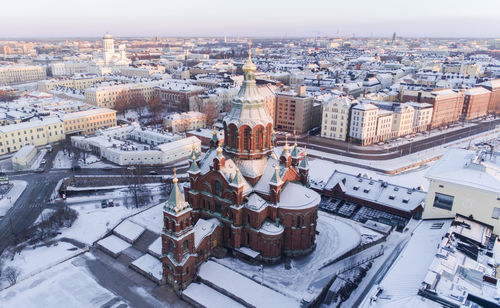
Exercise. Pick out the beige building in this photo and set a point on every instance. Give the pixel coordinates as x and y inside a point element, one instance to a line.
<point>363,123</point>
<point>21,73</point>
<point>107,96</point>
<point>402,123</point>
<point>89,121</point>
<point>422,116</point>
<point>467,183</point>
<point>384,124</point>
<point>294,111</point>
<point>335,118</point>
<point>73,83</point>
<point>181,122</point>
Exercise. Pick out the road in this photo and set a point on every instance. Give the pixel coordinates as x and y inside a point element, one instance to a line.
<point>356,151</point>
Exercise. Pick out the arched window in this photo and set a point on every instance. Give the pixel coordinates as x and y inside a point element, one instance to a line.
<point>233,136</point>
<point>246,138</point>
<point>218,188</point>
<point>258,138</point>
<point>298,221</point>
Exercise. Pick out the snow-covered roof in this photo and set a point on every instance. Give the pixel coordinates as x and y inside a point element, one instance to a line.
<point>377,191</point>
<point>296,196</point>
<point>468,168</point>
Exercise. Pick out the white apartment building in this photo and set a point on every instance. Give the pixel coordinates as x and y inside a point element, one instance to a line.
<point>21,73</point>
<point>363,123</point>
<point>68,68</point>
<point>467,183</point>
<point>335,118</point>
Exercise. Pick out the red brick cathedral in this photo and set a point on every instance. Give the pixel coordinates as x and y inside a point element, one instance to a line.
<point>241,195</point>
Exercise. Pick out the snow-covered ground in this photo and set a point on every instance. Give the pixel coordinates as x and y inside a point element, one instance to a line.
<point>31,260</point>
<point>64,285</point>
<point>210,298</point>
<point>94,222</point>
<point>62,160</point>
<point>10,198</point>
<point>335,238</point>
<point>151,219</point>
<point>250,291</point>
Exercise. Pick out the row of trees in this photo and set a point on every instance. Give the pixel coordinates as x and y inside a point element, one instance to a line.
<point>138,103</point>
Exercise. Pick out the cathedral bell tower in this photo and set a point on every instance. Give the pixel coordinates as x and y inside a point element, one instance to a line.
<point>178,253</point>
<point>248,126</point>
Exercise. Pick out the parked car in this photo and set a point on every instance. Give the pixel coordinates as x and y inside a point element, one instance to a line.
<point>131,168</point>
<point>111,203</point>
<point>152,172</point>
<point>104,203</point>
<point>107,168</point>
<point>76,168</point>
<point>43,161</point>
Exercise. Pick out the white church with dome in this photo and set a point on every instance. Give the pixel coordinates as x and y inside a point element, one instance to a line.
<point>108,60</point>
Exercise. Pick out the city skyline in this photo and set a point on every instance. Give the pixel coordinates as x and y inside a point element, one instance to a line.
<point>52,19</point>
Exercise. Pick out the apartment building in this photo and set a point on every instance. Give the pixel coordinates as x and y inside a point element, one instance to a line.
<point>447,104</point>
<point>88,121</point>
<point>363,123</point>
<point>494,87</point>
<point>335,118</point>
<point>403,118</point>
<point>21,73</point>
<point>423,116</point>
<point>107,96</point>
<point>476,103</point>
<point>177,93</point>
<point>77,83</point>
<point>181,122</point>
<point>294,111</point>
<point>384,124</point>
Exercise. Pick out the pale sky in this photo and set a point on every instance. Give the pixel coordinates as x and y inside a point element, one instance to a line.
<point>92,18</point>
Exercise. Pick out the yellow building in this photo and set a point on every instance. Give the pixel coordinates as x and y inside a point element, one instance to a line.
<point>467,183</point>
<point>89,121</point>
<point>38,132</point>
<point>107,96</point>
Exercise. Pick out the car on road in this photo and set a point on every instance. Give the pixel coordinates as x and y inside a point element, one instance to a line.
<point>107,168</point>
<point>43,162</point>
<point>152,172</point>
<point>131,168</point>
<point>104,204</point>
<point>76,168</point>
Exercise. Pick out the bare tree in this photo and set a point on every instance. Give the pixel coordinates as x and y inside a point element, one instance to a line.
<point>156,108</point>
<point>136,188</point>
<point>210,109</point>
<point>11,273</point>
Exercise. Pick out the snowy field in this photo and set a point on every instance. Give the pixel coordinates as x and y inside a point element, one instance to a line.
<point>64,285</point>
<point>334,239</point>
<point>10,198</point>
<point>31,260</point>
